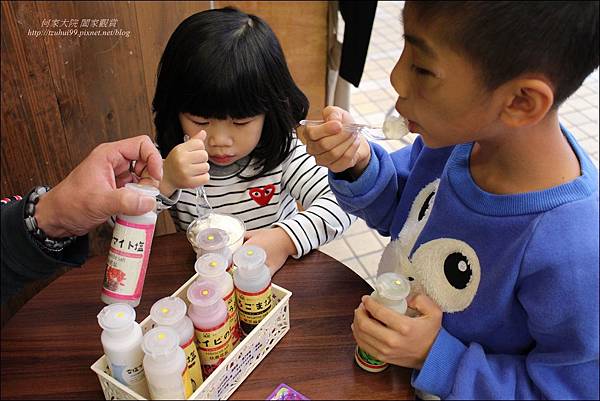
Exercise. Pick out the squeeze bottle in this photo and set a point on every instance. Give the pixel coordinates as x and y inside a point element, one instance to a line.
<point>252,281</point>
<point>165,365</point>
<point>171,312</point>
<point>212,267</point>
<point>391,290</point>
<point>129,253</point>
<point>208,312</point>
<point>122,339</point>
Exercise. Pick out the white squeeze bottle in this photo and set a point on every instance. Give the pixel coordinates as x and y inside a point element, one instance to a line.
<point>252,281</point>
<point>213,267</point>
<point>122,339</point>
<point>391,290</point>
<point>171,312</point>
<point>208,312</point>
<point>215,240</point>
<point>129,253</point>
<point>165,365</point>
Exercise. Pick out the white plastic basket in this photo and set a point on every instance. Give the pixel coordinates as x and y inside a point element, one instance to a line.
<point>234,369</point>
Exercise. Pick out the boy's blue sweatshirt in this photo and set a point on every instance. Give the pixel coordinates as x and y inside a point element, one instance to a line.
<point>516,275</point>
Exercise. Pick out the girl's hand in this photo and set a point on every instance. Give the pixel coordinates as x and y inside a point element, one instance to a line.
<point>334,148</point>
<point>276,243</point>
<point>186,166</point>
<point>394,338</point>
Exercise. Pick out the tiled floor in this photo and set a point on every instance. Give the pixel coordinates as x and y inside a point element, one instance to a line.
<point>360,248</point>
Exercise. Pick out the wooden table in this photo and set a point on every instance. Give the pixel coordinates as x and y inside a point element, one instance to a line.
<point>50,344</point>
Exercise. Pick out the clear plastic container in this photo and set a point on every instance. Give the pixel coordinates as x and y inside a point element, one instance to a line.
<point>233,227</point>
<point>171,312</point>
<point>391,290</point>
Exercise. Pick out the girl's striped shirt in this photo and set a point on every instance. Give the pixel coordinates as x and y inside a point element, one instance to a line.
<point>270,200</point>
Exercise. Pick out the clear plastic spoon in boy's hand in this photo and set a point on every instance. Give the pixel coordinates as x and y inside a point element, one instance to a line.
<point>203,207</point>
<point>393,128</point>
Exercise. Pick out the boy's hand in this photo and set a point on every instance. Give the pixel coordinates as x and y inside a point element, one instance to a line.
<point>394,338</point>
<point>276,243</point>
<point>186,166</point>
<point>334,148</point>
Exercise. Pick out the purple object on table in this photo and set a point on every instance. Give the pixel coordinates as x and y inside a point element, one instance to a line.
<point>285,392</point>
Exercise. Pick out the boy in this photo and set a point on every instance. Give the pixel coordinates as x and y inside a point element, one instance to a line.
<point>492,212</point>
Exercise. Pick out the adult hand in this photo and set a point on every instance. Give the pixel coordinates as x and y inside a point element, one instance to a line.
<point>334,148</point>
<point>92,192</point>
<point>394,338</point>
<point>276,243</point>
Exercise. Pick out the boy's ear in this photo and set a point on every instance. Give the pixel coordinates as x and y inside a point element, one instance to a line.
<point>528,102</point>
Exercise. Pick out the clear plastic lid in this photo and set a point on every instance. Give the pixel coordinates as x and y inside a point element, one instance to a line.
<point>203,293</point>
<point>392,286</point>
<point>160,341</point>
<point>211,265</point>
<point>143,189</point>
<point>117,316</point>
<point>212,239</point>
<point>168,311</point>
<point>249,258</point>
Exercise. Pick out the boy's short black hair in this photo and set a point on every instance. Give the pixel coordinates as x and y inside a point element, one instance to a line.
<point>504,39</point>
<point>225,63</point>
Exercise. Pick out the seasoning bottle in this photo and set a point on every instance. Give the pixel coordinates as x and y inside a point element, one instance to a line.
<point>121,339</point>
<point>215,240</point>
<point>212,267</point>
<point>252,281</point>
<point>165,365</point>
<point>129,253</point>
<point>171,312</point>
<point>208,312</point>
<point>391,290</point>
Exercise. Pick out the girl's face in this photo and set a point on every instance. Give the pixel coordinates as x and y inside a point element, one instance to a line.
<point>227,141</point>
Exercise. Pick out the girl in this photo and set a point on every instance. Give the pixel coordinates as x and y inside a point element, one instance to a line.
<point>223,81</point>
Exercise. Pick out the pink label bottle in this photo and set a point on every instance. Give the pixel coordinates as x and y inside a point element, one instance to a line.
<point>212,267</point>
<point>129,253</point>
<point>208,312</point>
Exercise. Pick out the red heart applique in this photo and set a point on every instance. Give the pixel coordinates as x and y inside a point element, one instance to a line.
<point>262,195</point>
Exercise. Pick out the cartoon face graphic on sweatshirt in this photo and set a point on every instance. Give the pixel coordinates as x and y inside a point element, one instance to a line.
<point>445,269</point>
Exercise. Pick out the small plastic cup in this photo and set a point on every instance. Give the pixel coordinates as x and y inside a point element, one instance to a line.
<point>233,227</point>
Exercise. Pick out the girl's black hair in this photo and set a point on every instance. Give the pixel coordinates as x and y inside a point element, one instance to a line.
<point>226,63</point>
